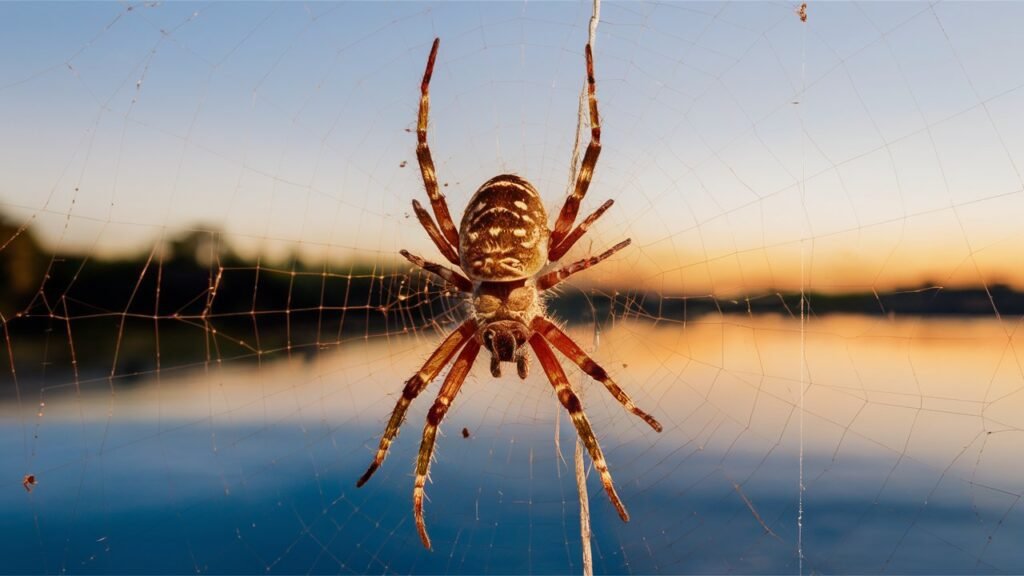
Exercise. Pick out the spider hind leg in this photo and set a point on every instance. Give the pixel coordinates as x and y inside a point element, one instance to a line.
<point>572,404</point>
<point>450,388</point>
<point>433,366</point>
<point>564,344</point>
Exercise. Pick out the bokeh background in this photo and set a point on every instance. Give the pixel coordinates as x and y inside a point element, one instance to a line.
<point>206,320</point>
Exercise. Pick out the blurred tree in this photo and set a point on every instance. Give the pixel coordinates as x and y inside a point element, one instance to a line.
<point>202,247</point>
<point>22,265</point>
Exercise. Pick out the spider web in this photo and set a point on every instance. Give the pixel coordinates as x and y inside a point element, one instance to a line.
<point>206,323</point>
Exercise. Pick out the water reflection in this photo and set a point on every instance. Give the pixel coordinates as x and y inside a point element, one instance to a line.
<point>911,429</point>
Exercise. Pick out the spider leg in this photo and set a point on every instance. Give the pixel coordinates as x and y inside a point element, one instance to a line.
<point>435,234</point>
<point>437,201</point>
<point>452,383</point>
<point>555,276</point>
<point>572,203</point>
<point>446,274</point>
<point>561,341</point>
<point>571,402</point>
<point>413,386</point>
<point>556,252</point>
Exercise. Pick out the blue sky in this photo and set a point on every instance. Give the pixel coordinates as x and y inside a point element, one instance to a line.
<point>879,143</point>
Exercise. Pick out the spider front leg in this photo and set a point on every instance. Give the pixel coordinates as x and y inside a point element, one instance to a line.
<point>441,356</point>
<point>555,276</point>
<point>557,252</point>
<point>566,346</point>
<point>452,384</point>
<point>428,224</point>
<point>572,404</point>
<point>572,204</point>
<point>437,201</point>
<point>446,274</point>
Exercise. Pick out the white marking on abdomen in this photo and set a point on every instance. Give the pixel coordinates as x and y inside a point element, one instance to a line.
<point>515,184</point>
<point>476,217</point>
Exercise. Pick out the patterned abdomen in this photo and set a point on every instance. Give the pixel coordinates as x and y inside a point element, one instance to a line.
<point>504,232</point>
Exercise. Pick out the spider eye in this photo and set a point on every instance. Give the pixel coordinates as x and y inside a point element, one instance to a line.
<point>488,338</point>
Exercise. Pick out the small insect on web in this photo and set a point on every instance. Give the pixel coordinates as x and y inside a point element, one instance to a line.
<point>502,245</point>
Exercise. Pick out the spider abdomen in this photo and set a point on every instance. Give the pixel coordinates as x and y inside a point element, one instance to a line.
<point>504,232</point>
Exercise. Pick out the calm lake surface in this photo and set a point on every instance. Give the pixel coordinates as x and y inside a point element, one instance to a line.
<point>912,433</point>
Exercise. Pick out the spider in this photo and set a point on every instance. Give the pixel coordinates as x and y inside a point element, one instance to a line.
<point>502,246</point>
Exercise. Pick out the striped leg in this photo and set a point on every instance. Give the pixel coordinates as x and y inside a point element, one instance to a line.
<point>428,224</point>
<point>415,385</point>
<point>554,277</point>
<point>572,204</point>
<point>452,383</point>
<point>565,345</point>
<point>437,201</point>
<point>446,274</point>
<point>571,402</point>
<point>556,252</point>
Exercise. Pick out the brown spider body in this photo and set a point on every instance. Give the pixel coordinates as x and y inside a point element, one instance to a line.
<point>503,241</point>
<point>504,232</point>
<point>502,246</point>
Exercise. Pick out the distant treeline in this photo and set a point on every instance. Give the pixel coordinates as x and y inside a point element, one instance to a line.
<point>190,301</point>
<point>993,301</point>
<point>193,300</point>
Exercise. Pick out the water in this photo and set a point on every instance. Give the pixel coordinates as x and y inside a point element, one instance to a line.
<point>912,428</point>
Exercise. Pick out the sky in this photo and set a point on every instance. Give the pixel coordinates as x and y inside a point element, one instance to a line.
<point>876,146</point>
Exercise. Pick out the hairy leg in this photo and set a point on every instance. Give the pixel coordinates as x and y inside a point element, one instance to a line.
<point>571,402</point>
<point>437,201</point>
<point>413,386</point>
<point>446,274</point>
<point>554,277</point>
<point>556,252</point>
<point>428,224</point>
<point>561,341</point>
<point>452,383</point>
<point>572,204</point>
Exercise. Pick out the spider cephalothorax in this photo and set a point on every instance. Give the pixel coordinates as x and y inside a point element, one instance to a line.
<point>502,245</point>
